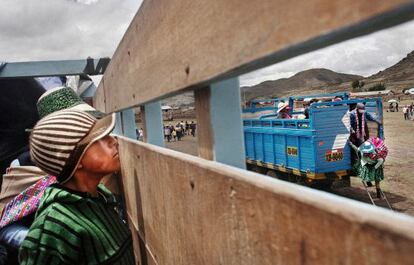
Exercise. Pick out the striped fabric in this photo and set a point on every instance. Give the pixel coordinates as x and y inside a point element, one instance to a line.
<point>74,228</point>
<point>54,139</point>
<point>26,202</point>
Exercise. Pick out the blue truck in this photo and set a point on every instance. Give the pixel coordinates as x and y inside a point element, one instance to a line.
<point>312,151</point>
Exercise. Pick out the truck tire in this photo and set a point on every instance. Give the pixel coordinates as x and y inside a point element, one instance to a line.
<point>273,174</point>
<point>323,185</point>
<point>256,169</point>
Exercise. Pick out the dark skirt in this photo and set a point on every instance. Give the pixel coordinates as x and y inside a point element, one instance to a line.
<point>370,173</point>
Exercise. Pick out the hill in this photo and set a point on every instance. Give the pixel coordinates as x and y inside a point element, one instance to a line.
<point>309,80</point>
<point>398,77</point>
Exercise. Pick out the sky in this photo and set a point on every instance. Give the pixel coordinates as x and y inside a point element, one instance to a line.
<point>32,30</point>
<point>62,29</point>
<point>364,56</point>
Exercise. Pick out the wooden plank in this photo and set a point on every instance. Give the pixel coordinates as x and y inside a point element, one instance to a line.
<point>176,44</point>
<point>204,126</point>
<point>193,211</point>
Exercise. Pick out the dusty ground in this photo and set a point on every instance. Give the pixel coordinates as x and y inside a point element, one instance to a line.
<point>399,167</point>
<point>188,144</point>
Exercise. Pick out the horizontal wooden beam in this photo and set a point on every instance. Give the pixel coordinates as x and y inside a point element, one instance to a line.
<point>88,66</point>
<point>187,210</point>
<point>176,44</point>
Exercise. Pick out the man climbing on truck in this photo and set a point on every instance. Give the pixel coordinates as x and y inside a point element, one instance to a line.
<point>359,127</point>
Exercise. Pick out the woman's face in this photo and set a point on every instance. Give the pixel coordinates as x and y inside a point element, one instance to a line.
<point>102,156</point>
<point>285,110</point>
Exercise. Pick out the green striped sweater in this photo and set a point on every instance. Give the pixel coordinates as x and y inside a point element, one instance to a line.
<point>74,228</point>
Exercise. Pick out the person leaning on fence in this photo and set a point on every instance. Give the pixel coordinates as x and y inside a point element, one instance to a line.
<point>76,222</point>
<point>24,183</point>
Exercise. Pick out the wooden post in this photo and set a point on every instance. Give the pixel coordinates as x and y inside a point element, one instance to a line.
<point>152,118</point>
<point>219,125</point>
<point>118,125</point>
<point>204,127</point>
<point>225,109</point>
<point>129,126</point>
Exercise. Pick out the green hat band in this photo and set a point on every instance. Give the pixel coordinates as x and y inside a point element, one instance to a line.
<point>57,100</point>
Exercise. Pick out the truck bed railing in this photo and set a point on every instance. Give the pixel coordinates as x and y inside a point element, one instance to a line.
<point>278,123</point>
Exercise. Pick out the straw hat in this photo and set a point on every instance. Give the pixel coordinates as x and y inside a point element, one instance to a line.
<point>59,141</point>
<point>281,106</point>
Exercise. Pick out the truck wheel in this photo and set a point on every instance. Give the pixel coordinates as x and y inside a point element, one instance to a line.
<point>273,174</point>
<point>323,185</point>
<point>257,169</point>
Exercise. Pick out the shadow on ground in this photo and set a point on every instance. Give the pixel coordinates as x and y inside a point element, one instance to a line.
<point>361,195</point>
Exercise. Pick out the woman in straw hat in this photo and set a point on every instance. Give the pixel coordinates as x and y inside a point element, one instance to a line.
<point>283,111</point>
<point>24,183</point>
<point>76,222</point>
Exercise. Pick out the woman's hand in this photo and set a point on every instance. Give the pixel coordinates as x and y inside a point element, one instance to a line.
<point>380,161</point>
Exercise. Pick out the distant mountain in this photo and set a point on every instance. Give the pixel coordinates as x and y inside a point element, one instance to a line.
<point>303,81</point>
<point>397,78</point>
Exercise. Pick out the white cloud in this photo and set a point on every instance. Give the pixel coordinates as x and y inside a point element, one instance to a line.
<point>362,56</point>
<point>62,29</point>
<point>75,29</point>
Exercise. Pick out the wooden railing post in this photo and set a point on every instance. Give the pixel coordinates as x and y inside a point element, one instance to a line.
<point>118,125</point>
<point>204,126</point>
<point>153,126</point>
<point>220,129</point>
<point>129,127</point>
<point>227,123</point>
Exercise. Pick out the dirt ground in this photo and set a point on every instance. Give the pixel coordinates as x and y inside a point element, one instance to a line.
<point>399,166</point>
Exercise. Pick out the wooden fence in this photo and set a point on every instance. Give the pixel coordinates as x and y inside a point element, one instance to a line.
<point>209,210</point>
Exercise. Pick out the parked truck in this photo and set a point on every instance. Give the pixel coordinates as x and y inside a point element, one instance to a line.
<point>312,151</point>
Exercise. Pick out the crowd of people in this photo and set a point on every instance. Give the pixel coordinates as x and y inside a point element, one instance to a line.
<point>173,133</point>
